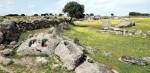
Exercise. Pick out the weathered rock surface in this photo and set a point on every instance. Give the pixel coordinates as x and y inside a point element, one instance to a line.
<point>1,37</point>
<point>125,23</point>
<point>70,54</point>
<point>42,44</point>
<point>7,52</point>
<point>147,59</point>
<point>133,60</point>
<point>92,67</point>
<point>10,31</point>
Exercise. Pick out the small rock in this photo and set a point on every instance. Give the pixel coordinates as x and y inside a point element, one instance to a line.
<point>55,66</point>
<point>13,43</point>
<point>2,47</point>
<point>91,49</point>
<point>51,30</point>
<point>147,59</point>
<point>7,52</point>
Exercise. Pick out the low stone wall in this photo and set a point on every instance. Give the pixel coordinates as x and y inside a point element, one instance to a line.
<point>11,30</point>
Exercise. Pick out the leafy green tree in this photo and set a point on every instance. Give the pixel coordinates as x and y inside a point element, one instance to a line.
<point>112,14</point>
<point>74,10</point>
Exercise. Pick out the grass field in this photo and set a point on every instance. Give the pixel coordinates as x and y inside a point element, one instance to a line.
<point>89,35</point>
<point>116,44</point>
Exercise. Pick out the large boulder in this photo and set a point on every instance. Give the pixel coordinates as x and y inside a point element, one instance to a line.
<point>125,23</point>
<point>9,31</point>
<point>92,67</point>
<point>42,44</point>
<point>70,54</point>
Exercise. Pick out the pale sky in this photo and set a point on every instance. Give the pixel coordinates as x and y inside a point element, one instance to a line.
<point>99,7</point>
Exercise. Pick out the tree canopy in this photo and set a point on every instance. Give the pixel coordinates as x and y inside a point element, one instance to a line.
<point>74,9</point>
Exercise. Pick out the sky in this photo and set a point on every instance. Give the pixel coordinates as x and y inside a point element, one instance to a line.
<point>98,7</point>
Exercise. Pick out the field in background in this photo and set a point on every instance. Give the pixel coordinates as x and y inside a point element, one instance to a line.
<point>89,35</point>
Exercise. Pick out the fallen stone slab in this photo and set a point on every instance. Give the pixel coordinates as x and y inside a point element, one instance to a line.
<point>133,60</point>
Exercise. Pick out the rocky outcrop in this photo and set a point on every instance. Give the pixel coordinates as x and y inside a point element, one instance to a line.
<point>42,44</point>
<point>125,23</point>
<point>70,54</point>
<point>10,30</point>
<point>92,67</point>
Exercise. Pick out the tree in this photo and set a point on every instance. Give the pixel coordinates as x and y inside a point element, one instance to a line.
<point>91,14</point>
<point>74,10</point>
<point>12,15</point>
<point>112,14</point>
<point>60,14</point>
<point>45,14</point>
<point>138,14</point>
<point>22,15</point>
<point>51,14</point>
<point>35,15</point>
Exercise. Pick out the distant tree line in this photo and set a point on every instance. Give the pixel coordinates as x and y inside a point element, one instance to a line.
<point>15,15</point>
<point>44,14</point>
<point>138,14</point>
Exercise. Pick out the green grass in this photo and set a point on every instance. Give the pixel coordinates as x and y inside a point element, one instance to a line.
<point>89,35</point>
<point>116,44</point>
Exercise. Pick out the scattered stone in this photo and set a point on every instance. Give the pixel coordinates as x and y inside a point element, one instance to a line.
<point>7,52</point>
<point>55,66</point>
<point>94,67</point>
<point>148,33</point>
<point>125,23</point>
<point>51,30</point>
<point>2,47</point>
<point>70,54</point>
<point>133,60</point>
<point>147,59</point>
<point>13,43</point>
<point>91,49</point>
